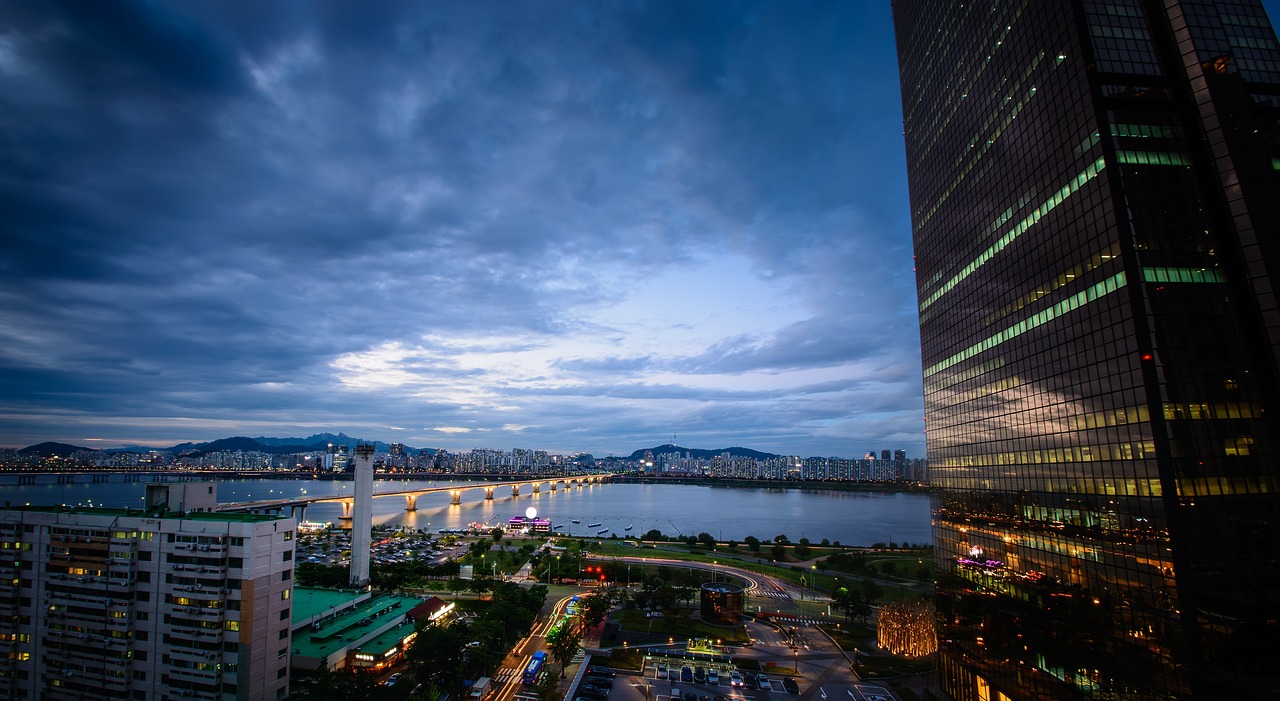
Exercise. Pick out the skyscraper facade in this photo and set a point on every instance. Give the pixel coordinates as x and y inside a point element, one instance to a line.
<point>1095,196</point>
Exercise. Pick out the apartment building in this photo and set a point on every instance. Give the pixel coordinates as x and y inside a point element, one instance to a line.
<point>171,601</point>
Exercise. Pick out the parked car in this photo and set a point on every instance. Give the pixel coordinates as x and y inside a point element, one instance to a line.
<point>790,685</point>
<point>690,696</point>
<point>662,670</point>
<point>600,671</point>
<point>762,682</point>
<point>603,682</point>
<point>735,678</point>
<point>749,681</point>
<point>593,691</point>
<point>391,680</point>
<point>699,676</point>
<point>713,677</point>
<point>686,674</point>
<point>675,694</point>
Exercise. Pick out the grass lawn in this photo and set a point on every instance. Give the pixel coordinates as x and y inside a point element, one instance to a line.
<point>678,627</point>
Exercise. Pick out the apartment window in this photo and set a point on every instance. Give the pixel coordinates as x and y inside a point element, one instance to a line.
<point>233,604</point>
<point>235,562</point>
<point>140,675</point>
<point>144,576</point>
<point>144,556</point>
<point>288,535</point>
<point>280,673</point>
<point>233,626</point>
<point>141,615</point>
<point>284,615</point>
<point>140,655</point>
<point>284,652</point>
<point>231,647</point>
<point>237,542</point>
<point>286,555</point>
<point>284,633</point>
<point>284,595</point>
<point>286,575</point>
<point>140,635</point>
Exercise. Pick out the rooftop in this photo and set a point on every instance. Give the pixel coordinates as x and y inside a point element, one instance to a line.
<point>225,517</point>
<point>345,627</point>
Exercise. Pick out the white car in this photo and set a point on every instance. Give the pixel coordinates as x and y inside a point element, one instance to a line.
<point>763,682</point>
<point>713,677</point>
<point>735,678</point>
<point>391,680</point>
<point>662,671</point>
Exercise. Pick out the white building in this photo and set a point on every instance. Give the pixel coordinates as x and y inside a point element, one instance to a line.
<point>173,601</point>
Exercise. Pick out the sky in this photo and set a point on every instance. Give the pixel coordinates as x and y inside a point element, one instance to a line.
<point>568,226</point>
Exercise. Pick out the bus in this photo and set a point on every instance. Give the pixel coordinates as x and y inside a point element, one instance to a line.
<point>534,668</point>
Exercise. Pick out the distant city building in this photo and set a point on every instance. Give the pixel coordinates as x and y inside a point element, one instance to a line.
<point>171,601</point>
<point>1095,198</point>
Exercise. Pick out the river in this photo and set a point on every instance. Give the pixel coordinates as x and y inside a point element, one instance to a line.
<point>726,512</point>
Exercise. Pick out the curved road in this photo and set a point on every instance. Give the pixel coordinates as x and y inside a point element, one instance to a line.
<point>757,584</point>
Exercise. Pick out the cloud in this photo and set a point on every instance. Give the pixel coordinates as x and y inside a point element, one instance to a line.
<point>566,224</point>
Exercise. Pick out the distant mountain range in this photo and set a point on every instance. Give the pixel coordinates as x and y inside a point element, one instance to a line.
<point>701,452</point>
<point>262,444</point>
<point>321,441</point>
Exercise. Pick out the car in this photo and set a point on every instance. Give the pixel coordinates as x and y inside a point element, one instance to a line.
<point>391,680</point>
<point>690,696</point>
<point>600,671</point>
<point>686,674</point>
<point>790,685</point>
<point>700,676</point>
<point>602,682</point>
<point>735,678</point>
<point>662,670</point>
<point>763,683</point>
<point>675,694</point>
<point>713,677</point>
<point>593,691</point>
<point>749,681</point>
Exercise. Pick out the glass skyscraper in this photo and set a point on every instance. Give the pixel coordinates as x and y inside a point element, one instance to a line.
<point>1095,196</point>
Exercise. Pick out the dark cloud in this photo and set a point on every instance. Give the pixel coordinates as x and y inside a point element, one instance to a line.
<point>567,225</point>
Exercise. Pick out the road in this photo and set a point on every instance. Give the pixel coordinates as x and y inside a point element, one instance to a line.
<point>758,584</point>
<point>507,679</point>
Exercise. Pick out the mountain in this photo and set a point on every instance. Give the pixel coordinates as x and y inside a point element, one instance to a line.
<point>703,453</point>
<point>46,449</point>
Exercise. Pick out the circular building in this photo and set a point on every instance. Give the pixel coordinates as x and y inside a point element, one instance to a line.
<point>721,603</point>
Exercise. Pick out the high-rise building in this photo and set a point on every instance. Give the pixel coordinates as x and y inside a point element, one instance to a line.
<point>170,601</point>
<point>1095,199</point>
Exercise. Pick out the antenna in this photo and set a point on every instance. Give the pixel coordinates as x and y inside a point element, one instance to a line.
<point>673,438</point>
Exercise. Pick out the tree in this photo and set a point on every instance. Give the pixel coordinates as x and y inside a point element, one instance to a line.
<point>852,602</point>
<point>654,534</point>
<point>563,645</point>
<point>802,551</point>
<point>825,542</point>
<point>781,538</point>
<point>753,543</point>
<point>871,591</point>
<point>707,540</point>
<point>497,534</point>
<point>779,552</point>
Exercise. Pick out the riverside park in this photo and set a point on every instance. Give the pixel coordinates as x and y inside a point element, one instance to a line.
<point>688,619</point>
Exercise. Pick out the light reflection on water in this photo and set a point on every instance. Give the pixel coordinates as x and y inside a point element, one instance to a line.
<point>853,518</point>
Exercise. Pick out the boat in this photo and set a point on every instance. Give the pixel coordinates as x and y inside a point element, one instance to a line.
<point>592,525</point>
<point>560,527</point>
<point>602,532</point>
<point>627,528</point>
<point>576,520</point>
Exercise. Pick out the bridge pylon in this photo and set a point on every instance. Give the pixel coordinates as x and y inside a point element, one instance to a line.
<point>488,493</point>
<point>455,496</point>
<point>411,502</point>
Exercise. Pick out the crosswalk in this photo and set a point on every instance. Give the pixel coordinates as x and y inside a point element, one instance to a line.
<point>771,593</point>
<point>505,675</point>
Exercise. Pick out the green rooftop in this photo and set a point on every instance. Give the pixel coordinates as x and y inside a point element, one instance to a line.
<point>346,627</point>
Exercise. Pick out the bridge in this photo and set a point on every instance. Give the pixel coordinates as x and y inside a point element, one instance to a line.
<point>411,496</point>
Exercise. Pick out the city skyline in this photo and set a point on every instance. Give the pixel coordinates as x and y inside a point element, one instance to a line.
<point>573,226</point>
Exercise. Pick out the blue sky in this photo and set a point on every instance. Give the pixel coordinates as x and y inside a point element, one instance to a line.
<point>557,225</point>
